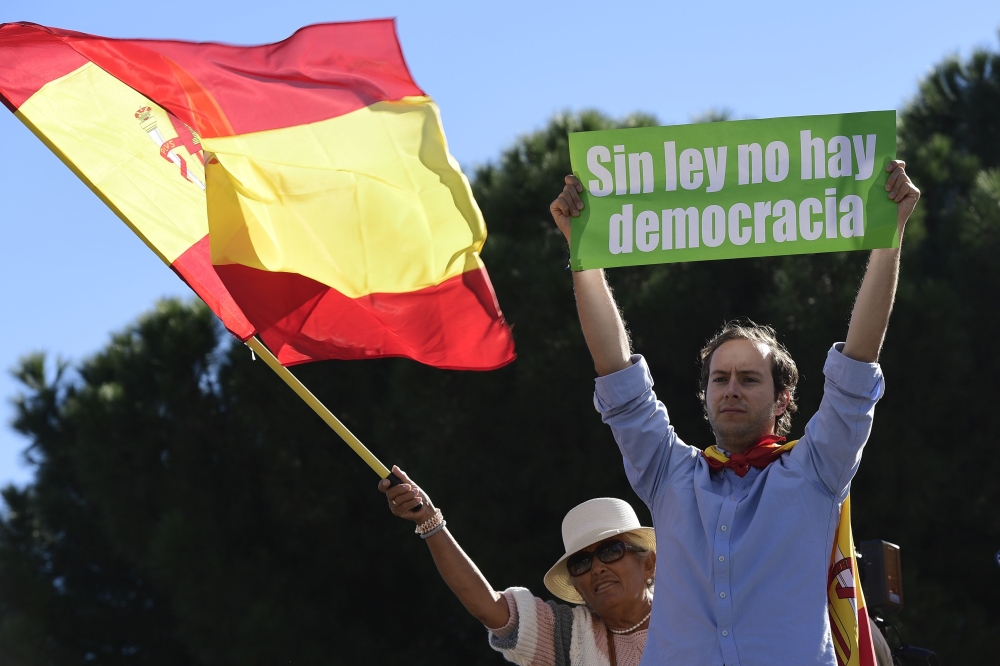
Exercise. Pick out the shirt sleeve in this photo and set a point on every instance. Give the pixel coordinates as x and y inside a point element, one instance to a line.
<point>650,448</point>
<point>538,633</point>
<point>830,450</point>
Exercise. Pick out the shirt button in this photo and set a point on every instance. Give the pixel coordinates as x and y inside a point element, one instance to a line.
<point>722,558</point>
<point>722,594</point>
<point>724,528</point>
<point>725,633</point>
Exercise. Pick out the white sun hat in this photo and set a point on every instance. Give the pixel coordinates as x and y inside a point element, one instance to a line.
<point>594,520</point>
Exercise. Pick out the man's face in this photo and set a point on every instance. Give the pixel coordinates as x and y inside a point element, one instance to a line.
<point>740,395</point>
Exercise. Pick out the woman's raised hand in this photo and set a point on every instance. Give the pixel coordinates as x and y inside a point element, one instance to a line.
<point>459,572</point>
<point>404,497</point>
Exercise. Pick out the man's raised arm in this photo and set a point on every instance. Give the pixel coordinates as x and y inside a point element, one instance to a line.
<point>878,289</point>
<point>626,401</point>
<point>602,324</point>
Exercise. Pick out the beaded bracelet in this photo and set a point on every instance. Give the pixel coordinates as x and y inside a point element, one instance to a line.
<point>430,523</point>
<point>427,535</point>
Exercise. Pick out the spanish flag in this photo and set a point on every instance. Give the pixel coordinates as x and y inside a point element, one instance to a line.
<point>303,189</point>
<point>849,625</point>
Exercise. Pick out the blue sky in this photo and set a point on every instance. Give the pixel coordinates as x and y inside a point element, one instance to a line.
<point>71,272</point>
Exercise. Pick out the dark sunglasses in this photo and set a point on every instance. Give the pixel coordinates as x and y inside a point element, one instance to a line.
<point>609,551</point>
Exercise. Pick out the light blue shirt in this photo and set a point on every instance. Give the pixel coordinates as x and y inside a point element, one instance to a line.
<point>742,563</point>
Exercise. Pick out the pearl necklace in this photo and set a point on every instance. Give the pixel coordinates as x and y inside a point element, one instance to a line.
<point>621,632</point>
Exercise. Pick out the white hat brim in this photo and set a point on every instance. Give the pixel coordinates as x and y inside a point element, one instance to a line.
<point>560,583</point>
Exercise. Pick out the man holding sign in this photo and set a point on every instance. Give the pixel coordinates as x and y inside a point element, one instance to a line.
<point>744,530</point>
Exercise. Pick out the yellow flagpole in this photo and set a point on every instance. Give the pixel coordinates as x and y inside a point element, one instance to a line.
<point>318,407</point>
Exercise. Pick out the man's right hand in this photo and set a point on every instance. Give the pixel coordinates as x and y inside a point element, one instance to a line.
<point>567,205</point>
<point>602,324</point>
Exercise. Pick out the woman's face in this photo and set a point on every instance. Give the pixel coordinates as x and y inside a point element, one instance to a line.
<point>615,588</point>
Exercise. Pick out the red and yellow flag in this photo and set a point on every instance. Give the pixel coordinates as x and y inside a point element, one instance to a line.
<point>303,189</point>
<point>849,624</point>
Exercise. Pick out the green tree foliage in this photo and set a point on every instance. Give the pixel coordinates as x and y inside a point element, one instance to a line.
<point>919,479</point>
<point>189,509</point>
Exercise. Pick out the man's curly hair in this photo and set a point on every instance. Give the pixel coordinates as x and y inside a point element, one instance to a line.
<point>783,370</point>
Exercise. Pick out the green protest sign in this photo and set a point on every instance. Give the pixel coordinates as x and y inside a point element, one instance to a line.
<point>744,188</point>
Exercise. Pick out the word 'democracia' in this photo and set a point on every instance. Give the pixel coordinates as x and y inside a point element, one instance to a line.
<point>733,189</point>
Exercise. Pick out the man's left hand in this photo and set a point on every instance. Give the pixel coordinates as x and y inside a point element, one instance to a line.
<point>901,190</point>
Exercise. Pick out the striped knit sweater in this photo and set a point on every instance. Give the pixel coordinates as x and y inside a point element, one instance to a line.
<point>541,633</point>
